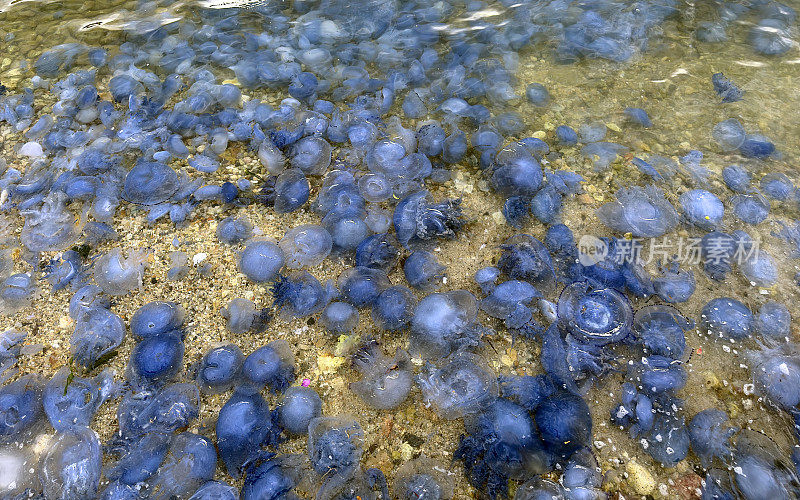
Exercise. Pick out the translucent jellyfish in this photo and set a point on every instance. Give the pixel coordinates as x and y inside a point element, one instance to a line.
<point>724,87</point>
<point>291,191</point>
<point>537,94</point>
<point>776,185</point>
<point>727,318</point>
<point>602,154</point>
<point>790,232</point>
<point>641,211</point>
<point>668,441</point>
<point>729,134</point>
<point>339,194</point>
<point>242,316</point>
<point>673,285</point>
<point>232,230</point>
<point>86,298</point>
<point>756,146</point>
<point>73,401</point>
<point>269,476</point>
<point>774,320</point>
<point>163,411</point>
<point>16,291</point>
<point>737,178</point>
<point>271,157</point>
<point>526,258</point>
<point>501,444</point>
<point>97,333</point>
<point>139,460</point>
<point>546,204</point>
<point>385,382</point>
<point>339,317</point>
<point>261,260</point>
<point>511,301</point>
<point>423,479</point>
<point>68,270</point>
<point>416,218</point>
<point>539,488</point>
<point>657,374</point>
<point>178,266</point>
<point>374,187</point>
<point>118,275</point>
<point>190,461</point>
<point>220,369</point>
<point>156,359</point>
<point>464,384</point>
<point>635,413</point>
<point>312,155</point>
<point>761,469</point>
<point>444,323</point>
<point>305,246</point>
<point>756,477</point>
<point>300,295</point>
<point>702,208</point>
<point>361,286</point>
<point>18,468</point>
<point>564,422</point>
<point>346,230</point>
<point>379,251</point>
<point>271,365</point>
<point>51,227</point>
<point>516,172</point>
<point>150,183</point>
<point>244,425</point>
<point>661,329</point>
<point>157,317</point>
<point>760,269</point>
<point>70,467</point>
<point>423,271</point>
<point>691,163</point>
<point>710,436</point>
<point>639,116</point>
<point>378,220</point>
<point>393,308</point>
<point>594,315</point>
<point>776,374</point>
<point>385,154</point>
<point>297,408</point>
<point>123,86</point>
<point>750,208</point>
<point>335,446</point>
<point>592,131</point>
<point>568,360</point>
<point>486,278</point>
<point>20,406</point>
<point>582,478</point>
<point>770,37</point>
<point>717,251</point>
<point>516,210</point>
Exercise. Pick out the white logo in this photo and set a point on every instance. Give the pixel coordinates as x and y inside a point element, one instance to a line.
<point>591,250</point>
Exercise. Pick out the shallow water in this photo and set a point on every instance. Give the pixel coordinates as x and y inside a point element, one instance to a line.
<point>671,80</point>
